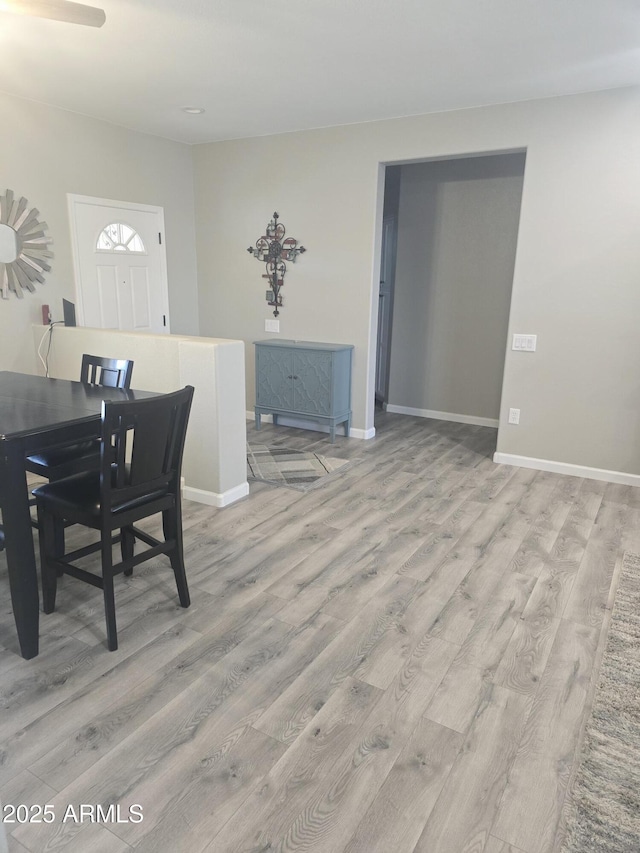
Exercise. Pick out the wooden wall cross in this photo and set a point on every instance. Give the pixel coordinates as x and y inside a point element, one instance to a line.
<point>274,250</point>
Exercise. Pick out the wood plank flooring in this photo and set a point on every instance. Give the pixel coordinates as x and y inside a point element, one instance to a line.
<point>398,661</point>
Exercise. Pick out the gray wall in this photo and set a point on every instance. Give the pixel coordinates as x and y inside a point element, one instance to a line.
<point>46,153</point>
<point>457,234</point>
<point>577,271</point>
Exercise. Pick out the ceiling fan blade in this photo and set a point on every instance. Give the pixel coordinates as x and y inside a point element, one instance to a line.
<point>57,10</point>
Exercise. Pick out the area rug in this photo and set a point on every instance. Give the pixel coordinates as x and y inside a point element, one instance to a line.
<point>605,815</point>
<point>294,468</point>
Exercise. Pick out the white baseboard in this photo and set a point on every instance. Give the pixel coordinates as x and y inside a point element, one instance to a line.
<point>443,416</point>
<point>303,423</point>
<point>619,477</point>
<point>217,499</point>
<point>365,434</point>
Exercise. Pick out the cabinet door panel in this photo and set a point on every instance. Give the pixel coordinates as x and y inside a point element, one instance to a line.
<point>274,379</point>
<point>312,382</point>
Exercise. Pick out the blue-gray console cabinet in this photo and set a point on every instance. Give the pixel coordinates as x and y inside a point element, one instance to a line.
<point>301,379</point>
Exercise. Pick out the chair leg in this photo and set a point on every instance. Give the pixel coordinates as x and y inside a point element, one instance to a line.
<point>48,541</point>
<point>107,591</point>
<point>172,528</point>
<point>58,533</point>
<point>127,546</point>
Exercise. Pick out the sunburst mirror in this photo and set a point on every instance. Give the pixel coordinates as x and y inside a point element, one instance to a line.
<point>23,246</point>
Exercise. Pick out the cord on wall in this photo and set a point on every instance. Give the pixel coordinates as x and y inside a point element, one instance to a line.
<point>45,359</point>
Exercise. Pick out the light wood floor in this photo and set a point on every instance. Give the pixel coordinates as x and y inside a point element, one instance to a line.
<point>398,661</point>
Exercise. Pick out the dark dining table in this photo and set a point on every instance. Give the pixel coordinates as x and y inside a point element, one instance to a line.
<point>36,413</point>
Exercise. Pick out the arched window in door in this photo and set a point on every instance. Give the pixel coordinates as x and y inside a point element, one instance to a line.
<point>118,237</point>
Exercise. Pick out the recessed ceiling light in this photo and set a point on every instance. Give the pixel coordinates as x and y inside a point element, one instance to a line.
<point>193,111</point>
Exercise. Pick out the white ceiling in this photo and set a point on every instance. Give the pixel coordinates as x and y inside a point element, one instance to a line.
<point>269,66</point>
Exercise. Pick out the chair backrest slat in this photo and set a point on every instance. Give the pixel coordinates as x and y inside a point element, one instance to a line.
<point>110,372</point>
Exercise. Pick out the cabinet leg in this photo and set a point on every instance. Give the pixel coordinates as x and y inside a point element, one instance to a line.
<point>275,419</point>
<point>332,433</point>
<point>258,420</point>
<point>347,427</point>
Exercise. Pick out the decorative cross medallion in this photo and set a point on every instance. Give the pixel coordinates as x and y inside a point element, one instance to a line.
<point>273,249</point>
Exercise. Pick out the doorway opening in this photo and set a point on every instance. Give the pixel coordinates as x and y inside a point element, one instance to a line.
<point>448,247</point>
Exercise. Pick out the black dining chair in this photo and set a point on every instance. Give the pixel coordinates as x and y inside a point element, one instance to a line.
<point>62,461</point>
<point>151,432</point>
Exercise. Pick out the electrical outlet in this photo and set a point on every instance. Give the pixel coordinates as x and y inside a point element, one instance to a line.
<point>514,416</point>
<point>272,325</point>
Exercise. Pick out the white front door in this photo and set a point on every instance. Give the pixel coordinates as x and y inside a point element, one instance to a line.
<point>120,264</point>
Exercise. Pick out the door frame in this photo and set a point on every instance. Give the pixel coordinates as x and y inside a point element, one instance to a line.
<point>387,252</point>
<point>73,202</point>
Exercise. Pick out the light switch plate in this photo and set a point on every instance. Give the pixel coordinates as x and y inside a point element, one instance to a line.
<point>525,343</point>
<point>272,325</point>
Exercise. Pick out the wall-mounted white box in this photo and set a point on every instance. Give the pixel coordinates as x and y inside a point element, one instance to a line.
<point>272,325</point>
